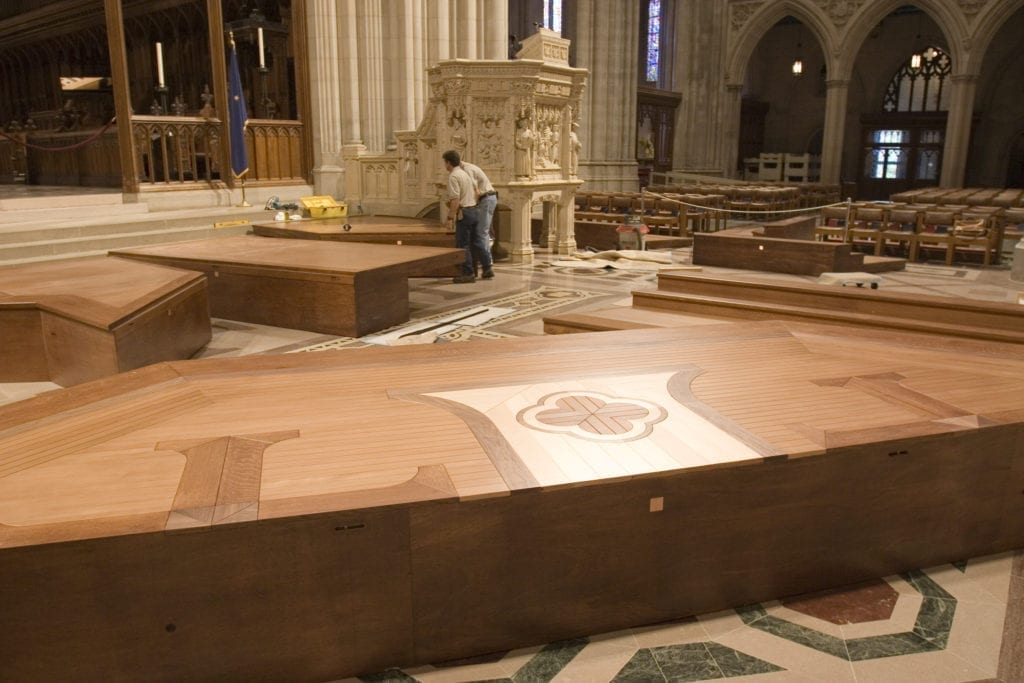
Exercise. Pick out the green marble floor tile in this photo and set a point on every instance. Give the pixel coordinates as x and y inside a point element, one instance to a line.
<point>891,645</point>
<point>935,620</point>
<point>389,676</point>
<point>641,668</point>
<point>547,663</point>
<point>686,662</point>
<point>735,663</point>
<point>822,642</point>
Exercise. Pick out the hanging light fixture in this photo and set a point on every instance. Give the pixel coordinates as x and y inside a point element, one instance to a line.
<point>798,63</point>
<point>915,59</point>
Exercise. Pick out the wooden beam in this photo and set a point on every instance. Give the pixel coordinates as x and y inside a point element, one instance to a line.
<point>220,86</point>
<point>122,94</point>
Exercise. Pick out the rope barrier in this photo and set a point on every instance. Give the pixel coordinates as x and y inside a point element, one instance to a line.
<point>806,209</point>
<point>65,148</point>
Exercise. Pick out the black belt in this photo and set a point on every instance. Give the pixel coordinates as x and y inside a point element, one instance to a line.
<point>488,194</point>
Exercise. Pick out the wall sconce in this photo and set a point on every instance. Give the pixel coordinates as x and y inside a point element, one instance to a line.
<point>798,68</point>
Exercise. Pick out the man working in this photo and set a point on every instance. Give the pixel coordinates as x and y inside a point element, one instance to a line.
<point>486,203</point>
<point>464,215</point>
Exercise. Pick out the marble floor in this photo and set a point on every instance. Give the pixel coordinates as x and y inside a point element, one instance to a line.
<point>955,622</point>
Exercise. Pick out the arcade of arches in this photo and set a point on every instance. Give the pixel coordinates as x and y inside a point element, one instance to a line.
<point>327,82</point>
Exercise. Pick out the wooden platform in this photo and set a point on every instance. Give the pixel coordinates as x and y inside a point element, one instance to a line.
<point>746,249</point>
<point>73,321</point>
<point>684,299</point>
<point>393,506</point>
<point>344,289</point>
<point>423,232</point>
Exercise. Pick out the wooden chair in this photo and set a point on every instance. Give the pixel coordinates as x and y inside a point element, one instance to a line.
<point>900,232</point>
<point>935,233</point>
<point>866,228</point>
<point>974,233</point>
<point>832,224</point>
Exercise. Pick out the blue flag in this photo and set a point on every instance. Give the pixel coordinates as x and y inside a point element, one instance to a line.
<point>237,118</point>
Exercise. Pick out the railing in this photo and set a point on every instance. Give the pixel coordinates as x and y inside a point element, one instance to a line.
<point>185,151</point>
<point>12,159</point>
<point>177,150</point>
<point>94,164</point>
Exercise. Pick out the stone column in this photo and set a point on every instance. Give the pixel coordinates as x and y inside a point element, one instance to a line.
<point>438,32</point>
<point>371,64</point>
<point>707,119</point>
<point>835,129</point>
<point>495,28</point>
<point>567,223</point>
<point>607,44</point>
<point>958,130</point>
<point>521,242</point>
<point>326,98</point>
<point>351,111</point>
<point>728,138</point>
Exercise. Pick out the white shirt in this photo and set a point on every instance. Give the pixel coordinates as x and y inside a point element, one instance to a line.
<point>461,187</point>
<point>483,183</point>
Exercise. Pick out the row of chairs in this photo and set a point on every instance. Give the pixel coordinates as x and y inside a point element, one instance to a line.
<point>673,215</point>
<point>1006,198</point>
<point>919,231</point>
<point>801,195</point>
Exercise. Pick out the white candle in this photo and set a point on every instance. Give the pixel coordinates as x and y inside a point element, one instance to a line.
<point>160,65</point>
<point>259,37</point>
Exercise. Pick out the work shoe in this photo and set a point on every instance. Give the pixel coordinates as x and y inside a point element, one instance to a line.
<point>462,279</point>
<point>488,274</point>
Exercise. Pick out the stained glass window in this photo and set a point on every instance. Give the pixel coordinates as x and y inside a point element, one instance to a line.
<point>653,39</point>
<point>553,15</point>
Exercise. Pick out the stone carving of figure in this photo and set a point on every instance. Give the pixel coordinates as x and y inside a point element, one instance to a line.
<point>524,149</point>
<point>458,128</point>
<point>574,149</point>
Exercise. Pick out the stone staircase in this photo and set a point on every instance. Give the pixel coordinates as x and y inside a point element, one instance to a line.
<point>45,228</point>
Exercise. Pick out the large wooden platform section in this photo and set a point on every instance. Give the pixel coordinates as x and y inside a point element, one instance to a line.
<point>344,289</point>
<point>756,249</point>
<point>683,299</point>
<point>312,516</point>
<point>423,232</point>
<point>74,321</point>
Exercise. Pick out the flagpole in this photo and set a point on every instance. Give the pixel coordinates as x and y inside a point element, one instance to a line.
<point>243,203</point>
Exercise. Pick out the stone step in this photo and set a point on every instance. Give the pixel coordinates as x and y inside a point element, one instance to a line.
<point>48,250</point>
<point>18,233</point>
<point>28,216</point>
<point>57,199</point>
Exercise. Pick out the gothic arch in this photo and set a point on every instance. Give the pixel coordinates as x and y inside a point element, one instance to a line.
<point>743,44</point>
<point>947,18</point>
<point>988,24</point>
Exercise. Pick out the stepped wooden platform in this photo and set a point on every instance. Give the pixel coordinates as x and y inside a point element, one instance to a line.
<point>187,519</point>
<point>757,248</point>
<point>424,232</point>
<point>684,299</point>
<point>604,235</point>
<point>345,289</point>
<point>79,320</point>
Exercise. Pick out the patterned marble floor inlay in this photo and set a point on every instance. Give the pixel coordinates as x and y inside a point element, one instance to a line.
<point>930,632</point>
<point>869,601</point>
<point>691,662</point>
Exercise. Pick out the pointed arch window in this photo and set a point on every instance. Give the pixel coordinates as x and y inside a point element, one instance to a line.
<point>922,88</point>
<point>553,15</point>
<point>653,53</point>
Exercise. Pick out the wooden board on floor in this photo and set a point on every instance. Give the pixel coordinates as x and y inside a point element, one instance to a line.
<point>187,519</point>
<point>349,289</point>
<point>423,232</point>
<point>73,321</point>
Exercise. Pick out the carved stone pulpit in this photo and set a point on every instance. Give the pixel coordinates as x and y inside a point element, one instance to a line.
<point>519,121</point>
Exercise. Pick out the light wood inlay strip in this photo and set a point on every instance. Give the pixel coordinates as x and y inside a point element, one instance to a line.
<point>43,443</point>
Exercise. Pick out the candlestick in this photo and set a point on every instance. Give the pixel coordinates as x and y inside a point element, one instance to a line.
<point>160,65</point>
<point>259,37</point>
